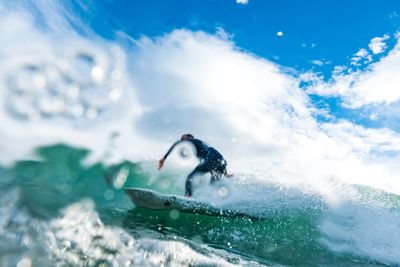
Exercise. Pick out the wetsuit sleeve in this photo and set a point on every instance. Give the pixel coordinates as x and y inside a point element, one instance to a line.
<point>171,148</point>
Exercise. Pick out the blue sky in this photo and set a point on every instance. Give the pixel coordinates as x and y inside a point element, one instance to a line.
<point>331,31</point>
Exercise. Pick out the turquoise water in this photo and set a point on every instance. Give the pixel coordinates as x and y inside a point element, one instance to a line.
<point>37,194</point>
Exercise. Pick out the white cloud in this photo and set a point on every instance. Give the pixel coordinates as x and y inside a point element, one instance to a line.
<point>243,2</point>
<point>280,34</point>
<point>362,53</point>
<point>317,62</point>
<point>320,62</point>
<point>361,56</point>
<point>378,84</point>
<point>377,44</point>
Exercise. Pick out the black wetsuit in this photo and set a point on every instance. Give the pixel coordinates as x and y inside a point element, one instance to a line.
<point>211,161</point>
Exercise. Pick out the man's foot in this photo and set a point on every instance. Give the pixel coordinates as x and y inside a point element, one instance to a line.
<point>188,196</point>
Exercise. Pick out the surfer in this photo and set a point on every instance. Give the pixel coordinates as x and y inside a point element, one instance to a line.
<point>210,161</point>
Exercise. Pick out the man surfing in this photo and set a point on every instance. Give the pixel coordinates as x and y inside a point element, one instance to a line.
<point>210,161</point>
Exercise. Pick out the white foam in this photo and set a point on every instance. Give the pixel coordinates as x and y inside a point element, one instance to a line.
<point>79,237</point>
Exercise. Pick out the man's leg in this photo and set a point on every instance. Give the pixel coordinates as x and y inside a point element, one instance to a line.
<point>199,170</point>
<point>218,169</point>
<point>215,176</point>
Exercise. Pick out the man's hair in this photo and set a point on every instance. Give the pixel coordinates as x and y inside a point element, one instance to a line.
<point>187,136</point>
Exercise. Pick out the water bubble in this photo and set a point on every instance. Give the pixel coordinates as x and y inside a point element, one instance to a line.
<point>26,79</point>
<point>72,91</point>
<point>184,152</point>
<point>121,178</point>
<point>65,188</point>
<point>223,191</point>
<point>97,74</point>
<point>24,262</point>
<point>76,110</point>
<point>50,105</point>
<point>109,194</point>
<point>39,81</point>
<point>199,180</point>
<point>97,96</point>
<point>165,183</point>
<point>62,64</point>
<point>174,214</point>
<point>114,94</point>
<point>81,68</point>
<point>91,113</point>
<point>22,106</point>
<point>81,84</point>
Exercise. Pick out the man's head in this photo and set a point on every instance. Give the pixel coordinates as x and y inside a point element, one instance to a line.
<point>187,137</point>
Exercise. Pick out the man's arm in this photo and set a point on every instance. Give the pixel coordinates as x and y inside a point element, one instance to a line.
<point>161,162</point>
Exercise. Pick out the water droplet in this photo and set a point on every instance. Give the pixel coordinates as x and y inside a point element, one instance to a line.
<point>76,110</point>
<point>199,180</point>
<point>39,81</point>
<point>223,191</point>
<point>121,178</point>
<point>22,106</point>
<point>65,188</point>
<point>24,262</point>
<point>95,96</point>
<point>109,194</point>
<point>23,80</point>
<point>165,183</point>
<point>72,91</point>
<point>184,152</point>
<point>91,113</point>
<point>97,74</point>
<point>174,214</point>
<point>80,68</point>
<point>50,105</point>
<point>114,94</point>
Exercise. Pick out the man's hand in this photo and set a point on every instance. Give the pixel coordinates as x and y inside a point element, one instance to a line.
<point>161,163</point>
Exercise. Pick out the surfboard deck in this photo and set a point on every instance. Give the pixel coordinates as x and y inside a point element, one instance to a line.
<point>151,199</point>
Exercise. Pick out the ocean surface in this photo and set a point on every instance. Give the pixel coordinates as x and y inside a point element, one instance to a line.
<point>57,211</point>
<point>83,117</point>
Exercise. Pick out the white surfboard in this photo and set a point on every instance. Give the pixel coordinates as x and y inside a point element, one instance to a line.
<point>154,200</point>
